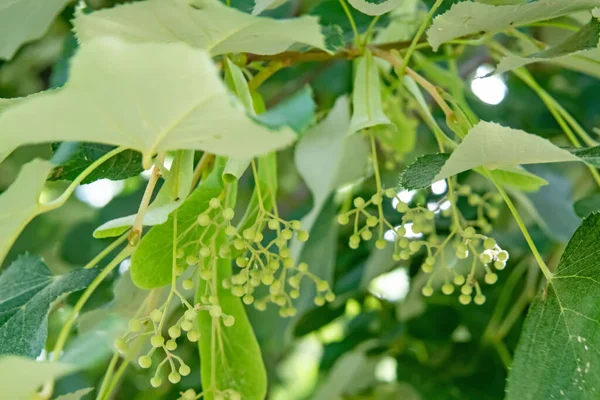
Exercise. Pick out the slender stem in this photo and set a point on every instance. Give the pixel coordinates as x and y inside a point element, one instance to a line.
<point>136,228</point>
<point>503,353</point>
<point>415,41</point>
<point>266,73</point>
<point>204,162</point>
<point>521,224</point>
<point>107,377</point>
<point>377,179</point>
<point>60,200</point>
<point>350,19</point>
<point>370,30</point>
<point>106,251</point>
<point>124,364</point>
<point>66,329</point>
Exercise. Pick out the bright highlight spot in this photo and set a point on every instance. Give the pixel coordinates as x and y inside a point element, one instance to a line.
<point>490,90</point>
<point>391,236</point>
<point>406,196</point>
<point>385,370</point>
<point>100,193</point>
<point>439,187</point>
<point>445,205</point>
<point>124,266</point>
<point>392,286</point>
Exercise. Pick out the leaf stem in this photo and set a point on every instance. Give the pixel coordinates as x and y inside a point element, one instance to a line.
<point>545,270</point>
<point>415,41</point>
<point>106,251</point>
<point>136,228</point>
<point>204,162</point>
<point>60,200</point>
<point>351,20</point>
<point>266,73</point>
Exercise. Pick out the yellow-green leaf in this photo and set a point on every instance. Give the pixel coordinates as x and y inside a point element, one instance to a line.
<point>375,7</point>
<point>206,24</point>
<point>114,96</point>
<point>21,377</point>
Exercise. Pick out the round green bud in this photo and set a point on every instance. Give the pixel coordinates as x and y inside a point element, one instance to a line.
<point>401,207</point>
<point>491,278</point>
<point>226,283</point>
<point>241,261</point>
<point>489,243</point>
<point>214,203</point>
<point>400,231</point>
<point>135,325</point>
<point>396,257</point>
<point>497,198</point>
<point>189,394</point>
<point>239,244</point>
<point>203,220</point>
<point>171,345</point>
<point>249,233</point>
<point>156,381</point>
<point>417,228</point>
<point>174,377</point>
<point>204,252</point>
<point>145,362</point>
<point>248,299</point>
<point>466,289</point>
<point>427,291</point>
<point>330,297</point>
<point>404,254</point>
<point>193,336</point>
<point>473,199</point>
<point>157,341</point>
<point>459,280</point>
<point>215,311</point>
<point>376,199</point>
<point>430,260</point>
<point>286,234</point>
<point>448,288</point>
<point>414,246</point>
<point>469,232</point>
<point>389,193</point>
<point>177,271</point>
<point>462,255</point>
<point>174,331</point>
<point>359,202</point>
<point>260,305</point>
<point>190,314</point>
<point>479,299</point>
<point>366,234</point>
<point>184,370</point>
<point>180,253</point>
<point>499,265</point>
<point>285,252</point>
<point>295,225</point>
<point>258,237</point>
<point>302,236</point>
<point>156,315</point>
<point>464,190</point>
<point>429,215</point>
<point>322,286</point>
<point>266,278</point>
<point>233,395</point>
<point>273,224</point>
<point>380,244</point>
<point>493,212</point>
<point>464,299</point>
<point>188,284</point>
<point>303,267</point>
<point>502,255</point>
<point>372,221</point>
<point>230,230</point>
<point>186,325</point>
<point>294,293</point>
<point>343,219</point>
<point>485,258</point>
<point>354,241</point>
<point>229,320</point>
<point>228,214</point>
<point>427,268</point>
<point>319,301</point>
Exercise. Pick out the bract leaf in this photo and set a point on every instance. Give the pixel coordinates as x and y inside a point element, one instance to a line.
<point>375,7</point>
<point>222,29</point>
<point>109,98</point>
<point>467,17</point>
<point>263,5</point>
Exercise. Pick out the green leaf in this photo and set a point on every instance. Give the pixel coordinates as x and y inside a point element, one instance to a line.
<point>122,166</point>
<point>170,197</point>
<point>21,377</point>
<point>297,112</point>
<point>366,96</point>
<point>78,395</point>
<point>20,202</point>
<point>108,98</point>
<point>586,38</point>
<point>557,355</point>
<point>518,178</point>
<point>468,18</point>
<point>14,31</point>
<point>376,7</point>
<point>495,147</point>
<point>587,205</point>
<point>224,29</point>
<point>263,5</point>
<point>230,356</point>
<point>151,263</point>
<point>27,288</point>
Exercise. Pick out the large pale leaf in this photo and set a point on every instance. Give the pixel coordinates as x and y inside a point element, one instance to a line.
<point>367,108</point>
<point>109,98</point>
<point>21,377</point>
<point>20,202</point>
<point>263,5</point>
<point>151,263</point>
<point>27,288</point>
<point>171,195</point>
<point>557,355</point>
<point>22,21</point>
<point>77,395</point>
<point>232,351</point>
<point>578,43</point>
<point>375,7</point>
<point>468,17</point>
<point>493,146</point>
<point>207,24</point>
